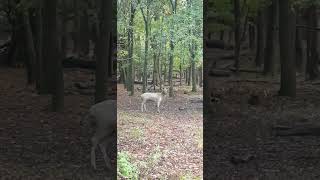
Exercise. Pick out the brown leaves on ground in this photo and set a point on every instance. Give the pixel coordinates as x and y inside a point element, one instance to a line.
<point>166,144</point>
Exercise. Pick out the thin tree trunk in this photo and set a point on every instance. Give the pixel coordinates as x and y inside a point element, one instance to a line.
<point>41,75</point>
<point>251,37</point>
<point>237,33</point>
<point>193,67</point>
<point>171,66</point>
<point>260,40</point>
<point>312,45</point>
<point>200,77</point>
<point>180,68</point>
<point>221,35</point>
<point>30,49</point>
<point>83,34</point>
<point>130,54</point>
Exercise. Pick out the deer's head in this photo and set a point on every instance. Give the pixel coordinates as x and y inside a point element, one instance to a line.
<point>164,91</point>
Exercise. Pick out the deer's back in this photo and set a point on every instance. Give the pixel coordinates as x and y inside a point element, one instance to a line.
<point>152,96</point>
<point>104,113</point>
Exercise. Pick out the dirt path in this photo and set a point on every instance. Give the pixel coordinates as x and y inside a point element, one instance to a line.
<point>165,145</point>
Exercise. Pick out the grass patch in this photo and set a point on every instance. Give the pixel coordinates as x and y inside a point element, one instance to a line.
<point>155,156</point>
<point>137,133</point>
<point>152,160</point>
<point>132,118</point>
<point>189,176</point>
<point>125,168</point>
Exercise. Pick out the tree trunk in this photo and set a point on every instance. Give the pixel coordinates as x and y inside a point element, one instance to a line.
<point>180,72</point>
<point>312,45</point>
<point>287,37</point>
<point>271,42</point>
<point>146,46</point>
<point>165,74</point>
<point>171,66</point>
<point>194,74</point>
<point>83,34</point>
<point>189,75</point>
<point>237,33</point>
<point>200,77</point>
<point>130,51</point>
<point>41,75</point>
<point>221,35</point>
<point>252,37</point>
<point>299,50</point>
<point>260,40</point>
<point>53,55</point>
<point>30,49</point>
<point>103,49</point>
<point>186,76</point>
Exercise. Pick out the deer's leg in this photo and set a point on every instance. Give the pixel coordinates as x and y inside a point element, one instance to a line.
<point>95,141</point>
<point>142,105</point>
<point>158,106</point>
<point>93,153</point>
<point>104,153</point>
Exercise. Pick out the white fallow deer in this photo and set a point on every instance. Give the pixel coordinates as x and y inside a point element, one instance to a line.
<point>155,97</point>
<point>103,116</point>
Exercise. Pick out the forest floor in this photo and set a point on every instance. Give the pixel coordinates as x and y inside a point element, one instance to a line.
<point>240,135</point>
<point>165,145</point>
<point>36,143</point>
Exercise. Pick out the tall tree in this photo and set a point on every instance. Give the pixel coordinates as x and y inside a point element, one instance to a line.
<point>287,37</point>
<point>130,51</point>
<point>173,9</point>
<point>30,48</point>
<point>52,54</point>
<point>237,33</point>
<point>40,61</point>
<point>312,44</point>
<point>103,50</point>
<point>260,39</point>
<point>146,19</point>
<point>271,41</point>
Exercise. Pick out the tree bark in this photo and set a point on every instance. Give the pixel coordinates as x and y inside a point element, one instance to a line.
<point>260,40</point>
<point>271,41</point>
<point>103,50</point>
<point>251,37</point>
<point>53,55</point>
<point>287,37</point>
<point>30,49</point>
<point>130,52</point>
<point>237,33</point>
<point>312,45</point>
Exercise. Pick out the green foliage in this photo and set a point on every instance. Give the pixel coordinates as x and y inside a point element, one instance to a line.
<point>125,168</point>
<point>304,4</point>
<point>189,176</point>
<point>163,23</point>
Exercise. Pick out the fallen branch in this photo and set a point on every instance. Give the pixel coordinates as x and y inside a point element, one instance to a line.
<point>219,73</point>
<point>245,70</point>
<point>299,131</point>
<point>308,28</point>
<point>255,81</point>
